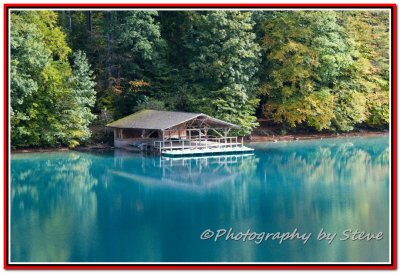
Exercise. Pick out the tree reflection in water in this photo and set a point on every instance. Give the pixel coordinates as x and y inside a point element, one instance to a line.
<point>51,195</point>
<point>73,206</point>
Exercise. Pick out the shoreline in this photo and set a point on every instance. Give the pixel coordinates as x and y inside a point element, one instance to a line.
<point>254,139</point>
<point>89,148</point>
<point>294,137</point>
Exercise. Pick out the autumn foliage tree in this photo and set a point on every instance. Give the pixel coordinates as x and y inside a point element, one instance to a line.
<point>316,72</point>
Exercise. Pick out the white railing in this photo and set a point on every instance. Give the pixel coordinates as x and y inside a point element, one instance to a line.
<point>197,143</point>
<point>196,160</point>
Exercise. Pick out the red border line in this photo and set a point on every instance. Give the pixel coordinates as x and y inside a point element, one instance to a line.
<point>5,131</point>
<point>394,133</point>
<point>190,5</point>
<point>205,266</point>
<point>201,267</point>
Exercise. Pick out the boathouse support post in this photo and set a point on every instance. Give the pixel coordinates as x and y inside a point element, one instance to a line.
<point>206,137</point>
<point>226,131</point>
<point>161,143</point>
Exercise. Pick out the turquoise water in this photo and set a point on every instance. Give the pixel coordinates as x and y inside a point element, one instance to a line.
<point>116,207</point>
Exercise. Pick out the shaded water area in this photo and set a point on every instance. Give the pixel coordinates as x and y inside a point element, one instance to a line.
<point>122,207</point>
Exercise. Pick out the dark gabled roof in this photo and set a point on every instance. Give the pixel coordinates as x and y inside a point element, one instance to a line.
<point>161,120</point>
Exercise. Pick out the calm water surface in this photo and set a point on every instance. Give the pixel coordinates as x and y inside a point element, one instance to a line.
<point>116,207</point>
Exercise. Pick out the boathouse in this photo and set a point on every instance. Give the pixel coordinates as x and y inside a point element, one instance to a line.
<point>176,133</point>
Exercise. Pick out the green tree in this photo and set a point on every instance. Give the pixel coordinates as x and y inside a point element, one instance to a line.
<point>325,70</point>
<point>28,55</point>
<point>314,74</point>
<point>223,59</point>
<point>175,26</point>
<point>127,54</point>
<point>370,31</point>
<point>141,59</point>
<point>83,99</point>
<point>43,98</point>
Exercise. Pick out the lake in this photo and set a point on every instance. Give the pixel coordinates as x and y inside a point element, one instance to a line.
<point>121,207</point>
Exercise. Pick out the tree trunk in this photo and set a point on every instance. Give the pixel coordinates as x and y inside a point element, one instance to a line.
<point>70,20</point>
<point>89,21</point>
<point>109,38</point>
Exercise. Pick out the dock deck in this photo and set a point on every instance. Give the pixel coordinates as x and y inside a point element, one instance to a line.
<point>208,151</point>
<point>182,147</point>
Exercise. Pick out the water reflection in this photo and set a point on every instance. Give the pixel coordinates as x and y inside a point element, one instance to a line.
<point>198,174</point>
<point>129,208</point>
<point>50,193</point>
<point>335,185</point>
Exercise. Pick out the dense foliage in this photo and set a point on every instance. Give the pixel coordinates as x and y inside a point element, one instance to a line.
<point>314,70</point>
<point>319,73</point>
<point>221,61</point>
<point>50,98</point>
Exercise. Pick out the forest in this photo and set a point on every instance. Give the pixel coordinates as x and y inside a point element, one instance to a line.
<point>305,70</point>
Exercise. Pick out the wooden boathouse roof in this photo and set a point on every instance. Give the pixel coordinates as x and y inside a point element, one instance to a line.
<point>162,120</point>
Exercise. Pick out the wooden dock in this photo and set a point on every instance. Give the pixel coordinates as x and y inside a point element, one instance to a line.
<point>200,146</point>
<point>209,151</point>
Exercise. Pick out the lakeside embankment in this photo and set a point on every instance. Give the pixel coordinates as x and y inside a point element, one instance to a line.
<point>254,138</point>
<point>303,136</point>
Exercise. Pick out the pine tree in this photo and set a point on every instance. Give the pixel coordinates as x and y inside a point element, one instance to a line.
<point>83,98</point>
<point>141,51</point>
<point>223,59</point>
